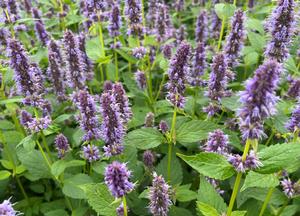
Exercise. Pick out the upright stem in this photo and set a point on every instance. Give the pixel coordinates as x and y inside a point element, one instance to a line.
<point>116,60</point>
<point>221,33</point>
<point>169,160</point>
<point>268,197</point>
<point>160,87</point>
<point>22,189</point>
<point>234,2</point>
<point>171,142</point>
<point>125,205</point>
<point>238,179</point>
<point>46,145</point>
<point>43,154</point>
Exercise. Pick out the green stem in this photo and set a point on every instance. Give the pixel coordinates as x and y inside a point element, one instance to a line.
<point>169,160</point>
<point>238,179</point>
<point>171,142</point>
<point>43,154</point>
<point>160,87</point>
<point>125,205</point>
<point>195,101</point>
<point>234,2</point>
<point>282,208</point>
<point>295,135</point>
<point>268,197</point>
<point>116,61</point>
<point>46,145</point>
<point>129,67</point>
<point>221,33</point>
<point>22,189</point>
<point>270,137</point>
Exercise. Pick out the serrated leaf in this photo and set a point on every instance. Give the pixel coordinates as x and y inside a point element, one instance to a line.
<point>257,41</point>
<point>144,138</point>
<point>62,118</point>
<point>58,167</point>
<point>184,194</point>
<point>254,24</point>
<point>238,213</point>
<point>277,157</point>
<point>73,186</point>
<point>100,199</point>
<point>176,169</point>
<point>210,164</point>
<point>60,212</point>
<point>251,58</point>
<point>4,174</point>
<point>208,194</point>
<point>93,49</point>
<point>126,56</point>
<point>206,209</point>
<point>254,179</point>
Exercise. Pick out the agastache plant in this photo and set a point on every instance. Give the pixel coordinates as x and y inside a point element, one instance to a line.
<point>217,142</point>
<point>91,153</point>
<point>133,11</point>
<point>294,89</point>
<point>87,63</point>
<point>163,30</point>
<point>281,27</point>
<point>199,65</point>
<point>293,125</point>
<point>40,29</point>
<point>62,145</point>
<point>235,39</point>
<point>140,79</point>
<point>201,31</point>
<point>115,21</point>
<point>87,117</point>
<point>177,75</point>
<point>6,209</point>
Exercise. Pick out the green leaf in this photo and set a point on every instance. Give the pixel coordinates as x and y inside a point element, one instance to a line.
<point>176,211</point>
<point>194,131</point>
<point>277,157</point>
<point>208,194</point>
<point>232,103</point>
<point>254,179</point>
<point>6,125</point>
<point>224,11</point>
<point>184,194</point>
<point>254,24</point>
<point>238,213</point>
<point>176,169</point>
<point>58,167</point>
<point>34,163</point>
<point>12,100</point>
<point>62,118</point>
<point>93,49</point>
<point>73,186</point>
<point>4,174</point>
<point>251,58</point>
<point>60,212</point>
<point>257,41</point>
<point>100,199</point>
<point>150,40</point>
<point>206,209</point>
<point>210,164</point>
<point>144,138</point>
<point>28,142</point>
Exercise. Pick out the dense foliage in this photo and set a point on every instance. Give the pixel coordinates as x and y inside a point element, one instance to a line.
<point>155,107</point>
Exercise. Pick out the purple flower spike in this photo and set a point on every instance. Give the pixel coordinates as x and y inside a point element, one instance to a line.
<point>149,120</point>
<point>133,11</point>
<point>140,79</point>
<point>258,100</point>
<point>152,11</point>
<point>159,196</point>
<point>235,39</point>
<point>199,65</point>
<point>148,158</point>
<point>6,209</point>
<point>115,21</point>
<point>87,64</point>
<point>122,101</point>
<point>252,162</point>
<point>217,142</point>
<point>91,153</point>
<point>62,145</point>
<point>281,27</point>
<point>177,75</point>
<point>294,90</point>
<point>25,118</point>
<point>55,69</point>
<point>294,123</point>
<point>4,35</point>
<point>201,32</point>
<point>163,28</point>
<point>12,10</point>
<point>139,52</point>
<point>120,210</point>
<point>167,51</point>
<point>181,34</point>
<point>163,127</point>
<point>75,68</point>
<point>179,5</point>
<point>117,179</point>
<point>215,24</point>
<point>88,119</point>
<point>39,124</point>
<point>288,187</point>
<point>40,29</point>
<point>112,127</point>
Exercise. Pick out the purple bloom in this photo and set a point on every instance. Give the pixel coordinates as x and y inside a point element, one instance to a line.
<point>88,119</point>
<point>12,10</point>
<point>215,24</point>
<point>163,127</point>
<point>120,210</point>
<point>288,187</point>
<point>6,209</point>
<point>181,34</point>
<point>201,32</point>
<point>159,196</point>
<point>27,5</point>
<point>75,68</point>
<point>86,63</point>
<point>251,4</point>
<point>62,145</point>
<point>177,75</point>
<point>148,158</point>
<point>139,52</point>
<point>294,90</point>
<point>294,123</point>
<point>281,27</point>
<point>112,127</point>
<point>258,100</point>
<point>216,185</point>
<point>140,79</point>
<point>179,5</point>
<point>107,86</point>
<point>117,179</point>
<point>217,84</point>
<point>55,69</point>
<point>115,21</point>
<point>167,51</point>
<point>91,153</point>
<point>40,29</point>
<point>235,39</point>
<point>39,124</point>
<point>122,101</point>
<point>133,11</point>
<point>25,118</point>
<point>149,120</point>
<point>163,29</point>
<point>199,65</point>
<point>4,35</point>
<point>251,162</point>
<point>217,142</point>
